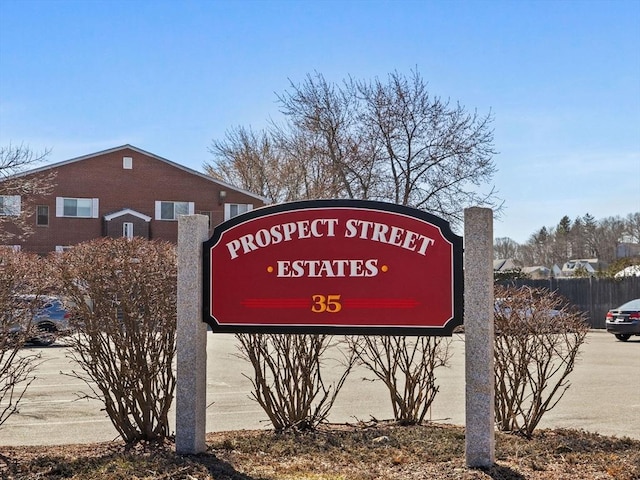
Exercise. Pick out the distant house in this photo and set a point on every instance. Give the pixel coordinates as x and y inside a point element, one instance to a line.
<point>537,272</point>
<point>585,266</point>
<point>123,192</point>
<point>504,265</point>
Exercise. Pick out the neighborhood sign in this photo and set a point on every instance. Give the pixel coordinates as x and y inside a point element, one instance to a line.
<point>334,266</point>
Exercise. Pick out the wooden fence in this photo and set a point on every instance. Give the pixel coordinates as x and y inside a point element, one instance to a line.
<point>594,296</point>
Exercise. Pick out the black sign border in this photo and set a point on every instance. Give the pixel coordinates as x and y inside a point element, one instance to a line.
<point>458,274</point>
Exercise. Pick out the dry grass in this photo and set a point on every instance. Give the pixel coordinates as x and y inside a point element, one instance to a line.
<point>373,452</point>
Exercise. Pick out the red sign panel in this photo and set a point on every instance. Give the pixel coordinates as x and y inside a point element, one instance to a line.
<point>334,266</point>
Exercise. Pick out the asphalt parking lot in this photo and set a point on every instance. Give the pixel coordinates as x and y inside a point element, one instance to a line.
<point>604,396</point>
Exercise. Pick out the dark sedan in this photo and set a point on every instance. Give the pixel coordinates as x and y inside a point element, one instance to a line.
<point>45,316</point>
<point>624,321</point>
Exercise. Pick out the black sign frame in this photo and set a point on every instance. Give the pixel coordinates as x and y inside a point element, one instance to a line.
<point>443,225</point>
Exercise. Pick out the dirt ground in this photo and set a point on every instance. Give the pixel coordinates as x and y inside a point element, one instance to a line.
<point>335,452</point>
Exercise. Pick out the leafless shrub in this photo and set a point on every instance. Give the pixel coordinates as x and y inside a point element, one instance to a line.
<point>407,367</point>
<point>124,293</point>
<point>287,380</point>
<point>20,273</point>
<point>538,337</point>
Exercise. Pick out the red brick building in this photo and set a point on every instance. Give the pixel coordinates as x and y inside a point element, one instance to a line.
<point>123,191</point>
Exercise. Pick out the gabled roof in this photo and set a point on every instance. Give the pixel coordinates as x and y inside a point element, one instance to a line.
<point>573,265</point>
<point>536,268</point>
<point>504,264</point>
<point>148,154</point>
<point>127,211</point>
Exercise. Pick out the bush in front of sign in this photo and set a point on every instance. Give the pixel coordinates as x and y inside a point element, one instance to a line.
<point>406,365</point>
<point>288,382</point>
<point>124,295</point>
<point>537,339</point>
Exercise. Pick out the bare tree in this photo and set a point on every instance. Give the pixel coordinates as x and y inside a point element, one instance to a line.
<point>538,337</point>
<point>437,154</point>
<point>124,294</point>
<point>632,223</point>
<point>610,232</point>
<point>18,192</point>
<point>328,119</point>
<point>376,140</point>
<point>538,250</point>
<point>255,162</point>
<point>391,141</point>
<point>321,152</point>
<point>505,247</point>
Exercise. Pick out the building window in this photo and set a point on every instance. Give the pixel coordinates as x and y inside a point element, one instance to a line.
<point>77,207</point>
<point>127,230</point>
<point>171,210</point>
<point>234,209</point>
<point>127,163</point>
<point>206,214</point>
<point>9,205</point>
<point>42,215</point>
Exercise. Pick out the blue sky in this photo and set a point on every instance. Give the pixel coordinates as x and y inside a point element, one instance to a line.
<point>561,78</point>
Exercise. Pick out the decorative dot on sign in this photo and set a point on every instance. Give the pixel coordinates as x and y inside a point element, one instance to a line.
<point>384,268</point>
<point>270,269</point>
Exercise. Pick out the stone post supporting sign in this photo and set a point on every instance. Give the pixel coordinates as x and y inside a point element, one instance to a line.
<point>191,339</point>
<point>479,337</point>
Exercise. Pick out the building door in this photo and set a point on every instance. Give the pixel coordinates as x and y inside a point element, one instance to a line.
<point>127,230</point>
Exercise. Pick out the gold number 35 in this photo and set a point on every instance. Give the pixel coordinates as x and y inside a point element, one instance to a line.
<point>326,304</point>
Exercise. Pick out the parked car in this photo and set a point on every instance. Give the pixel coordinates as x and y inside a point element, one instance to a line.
<point>50,319</point>
<point>624,321</point>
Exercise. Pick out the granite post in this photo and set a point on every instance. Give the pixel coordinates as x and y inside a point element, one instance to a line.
<point>479,337</point>
<point>191,338</point>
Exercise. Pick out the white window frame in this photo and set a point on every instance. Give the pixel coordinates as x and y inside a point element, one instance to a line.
<point>92,214</point>
<point>191,208</point>
<point>127,163</point>
<point>241,208</point>
<point>11,205</point>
